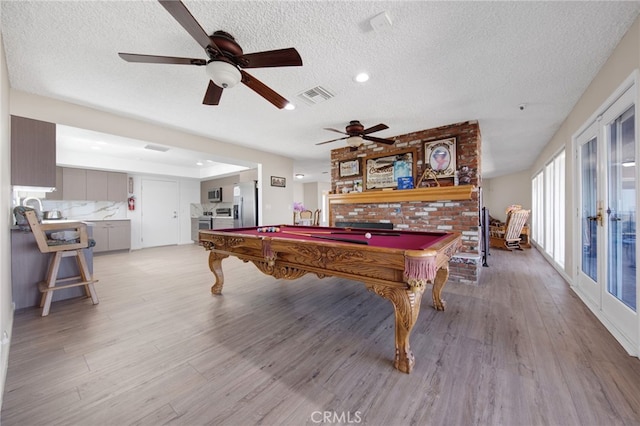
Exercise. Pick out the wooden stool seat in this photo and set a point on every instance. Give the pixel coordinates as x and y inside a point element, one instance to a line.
<point>60,249</point>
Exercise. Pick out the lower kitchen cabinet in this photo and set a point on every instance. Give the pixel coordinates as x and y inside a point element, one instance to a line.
<point>111,235</point>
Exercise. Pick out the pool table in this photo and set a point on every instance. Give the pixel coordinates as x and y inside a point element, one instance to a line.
<point>393,264</point>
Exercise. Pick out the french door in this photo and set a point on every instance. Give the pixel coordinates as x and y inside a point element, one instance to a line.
<point>607,191</point>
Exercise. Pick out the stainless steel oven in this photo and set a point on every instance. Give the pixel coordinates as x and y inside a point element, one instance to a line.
<point>205,222</point>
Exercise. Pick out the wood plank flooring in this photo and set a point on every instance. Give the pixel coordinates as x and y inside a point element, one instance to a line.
<point>519,349</point>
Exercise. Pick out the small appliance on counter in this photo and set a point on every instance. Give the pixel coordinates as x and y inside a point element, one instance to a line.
<point>52,215</point>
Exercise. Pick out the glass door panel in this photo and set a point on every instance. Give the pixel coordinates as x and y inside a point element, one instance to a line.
<point>589,223</point>
<point>621,210</point>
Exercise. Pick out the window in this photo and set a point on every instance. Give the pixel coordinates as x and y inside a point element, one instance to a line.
<point>548,208</point>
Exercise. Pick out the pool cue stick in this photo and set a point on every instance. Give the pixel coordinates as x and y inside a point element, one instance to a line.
<point>305,234</point>
<point>345,240</point>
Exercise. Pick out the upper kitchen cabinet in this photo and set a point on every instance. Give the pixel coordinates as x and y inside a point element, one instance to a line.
<point>74,184</point>
<point>117,186</point>
<point>93,185</point>
<point>33,152</point>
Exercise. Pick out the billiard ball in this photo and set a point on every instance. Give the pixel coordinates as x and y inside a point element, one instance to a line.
<point>367,235</point>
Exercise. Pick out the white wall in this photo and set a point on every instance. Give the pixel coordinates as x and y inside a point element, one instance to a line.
<point>501,192</point>
<point>6,307</point>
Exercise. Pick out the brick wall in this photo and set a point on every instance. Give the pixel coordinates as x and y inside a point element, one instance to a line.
<point>444,215</point>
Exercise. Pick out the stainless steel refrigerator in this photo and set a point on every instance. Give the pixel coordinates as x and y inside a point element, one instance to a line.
<point>245,205</point>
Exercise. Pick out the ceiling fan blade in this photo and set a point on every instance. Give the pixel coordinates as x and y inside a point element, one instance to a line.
<point>336,130</point>
<point>272,58</point>
<point>152,59</point>
<point>376,128</point>
<point>214,92</point>
<point>262,90</point>
<point>333,140</point>
<point>378,140</point>
<point>181,14</point>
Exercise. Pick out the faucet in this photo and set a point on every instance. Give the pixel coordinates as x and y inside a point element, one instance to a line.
<point>37,200</point>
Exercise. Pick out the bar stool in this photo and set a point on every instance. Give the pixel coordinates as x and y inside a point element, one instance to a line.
<point>59,249</point>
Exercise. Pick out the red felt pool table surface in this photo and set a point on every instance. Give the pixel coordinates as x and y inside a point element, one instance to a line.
<point>396,265</point>
<point>402,240</point>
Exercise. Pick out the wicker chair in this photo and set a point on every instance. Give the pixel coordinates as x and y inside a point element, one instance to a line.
<point>508,236</point>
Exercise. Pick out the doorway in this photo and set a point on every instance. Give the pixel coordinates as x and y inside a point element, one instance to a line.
<point>159,211</point>
<point>607,203</point>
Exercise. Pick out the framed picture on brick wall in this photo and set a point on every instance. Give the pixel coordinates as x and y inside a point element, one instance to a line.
<point>382,171</point>
<point>440,156</point>
<point>350,168</point>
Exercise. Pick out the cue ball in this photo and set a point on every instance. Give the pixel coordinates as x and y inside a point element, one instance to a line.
<point>367,235</point>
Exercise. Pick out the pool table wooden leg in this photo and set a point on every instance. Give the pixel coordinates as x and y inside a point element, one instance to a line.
<point>215,264</point>
<point>406,305</point>
<point>438,284</point>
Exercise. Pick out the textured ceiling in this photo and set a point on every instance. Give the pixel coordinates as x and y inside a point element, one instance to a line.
<point>437,64</point>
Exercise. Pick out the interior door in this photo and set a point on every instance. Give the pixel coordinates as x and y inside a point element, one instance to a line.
<point>606,154</point>
<point>159,208</point>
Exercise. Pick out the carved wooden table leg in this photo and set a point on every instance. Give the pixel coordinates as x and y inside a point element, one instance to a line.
<point>406,305</point>
<point>215,264</point>
<point>438,284</point>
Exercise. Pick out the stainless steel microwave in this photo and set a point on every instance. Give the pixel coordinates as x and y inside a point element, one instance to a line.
<point>215,195</point>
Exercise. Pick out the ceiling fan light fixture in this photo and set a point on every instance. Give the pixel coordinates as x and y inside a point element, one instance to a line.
<point>223,74</point>
<point>354,141</point>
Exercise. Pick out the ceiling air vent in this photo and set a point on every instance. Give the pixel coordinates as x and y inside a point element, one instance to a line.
<point>315,96</point>
<point>156,148</point>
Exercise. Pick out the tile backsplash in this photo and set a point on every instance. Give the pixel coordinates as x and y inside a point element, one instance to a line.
<point>88,210</point>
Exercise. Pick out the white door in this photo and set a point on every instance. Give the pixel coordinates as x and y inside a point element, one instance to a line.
<point>159,208</point>
<point>606,154</point>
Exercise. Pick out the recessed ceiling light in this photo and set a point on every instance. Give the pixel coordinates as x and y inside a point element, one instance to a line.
<point>290,106</point>
<point>362,77</point>
<point>199,163</point>
<point>299,175</point>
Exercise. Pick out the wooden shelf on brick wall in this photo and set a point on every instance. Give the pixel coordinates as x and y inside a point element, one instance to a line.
<point>442,193</point>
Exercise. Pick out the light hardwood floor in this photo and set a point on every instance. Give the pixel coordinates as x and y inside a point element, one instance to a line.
<point>519,349</point>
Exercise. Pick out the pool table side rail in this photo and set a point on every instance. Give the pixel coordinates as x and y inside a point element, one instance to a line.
<point>327,258</point>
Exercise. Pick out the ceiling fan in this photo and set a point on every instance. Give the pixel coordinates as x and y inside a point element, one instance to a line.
<point>356,134</point>
<point>226,59</point>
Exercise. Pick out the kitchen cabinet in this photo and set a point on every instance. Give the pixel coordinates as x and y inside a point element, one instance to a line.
<point>96,185</point>
<point>227,193</point>
<point>111,235</point>
<point>222,223</point>
<point>74,184</point>
<point>33,152</point>
<point>194,229</point>
<point>117,187</point>
<point>93,185</point>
